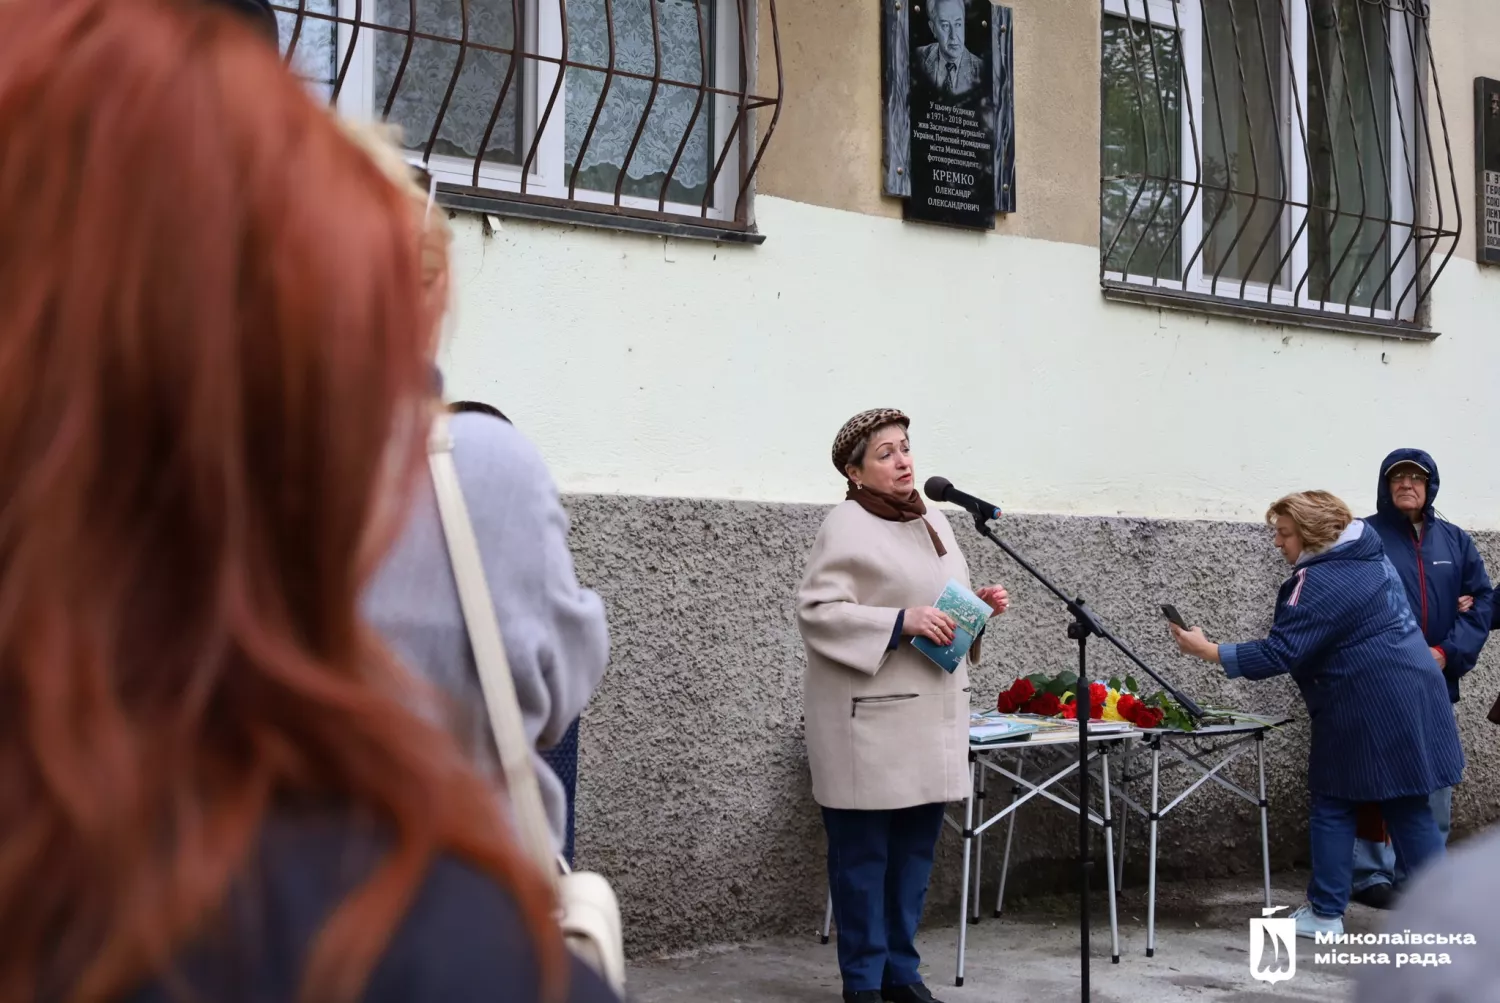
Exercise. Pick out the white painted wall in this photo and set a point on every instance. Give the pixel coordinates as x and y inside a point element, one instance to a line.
<point>641,366</point>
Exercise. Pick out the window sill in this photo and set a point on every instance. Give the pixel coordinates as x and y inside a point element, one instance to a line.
<point>1262,313</point>
<point>604,217</point>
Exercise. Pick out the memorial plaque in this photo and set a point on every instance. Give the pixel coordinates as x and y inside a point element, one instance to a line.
<point>951,110</point>
<point>896,77</point>
<point>1487,165</point>
<point>896,82</point>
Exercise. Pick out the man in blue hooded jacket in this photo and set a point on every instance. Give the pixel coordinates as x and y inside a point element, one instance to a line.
<point>1439,565</point>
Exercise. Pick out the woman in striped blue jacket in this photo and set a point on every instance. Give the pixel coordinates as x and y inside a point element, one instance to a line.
<point>1382,727</point>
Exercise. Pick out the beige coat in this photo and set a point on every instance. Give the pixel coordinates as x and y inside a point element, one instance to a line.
<point>885,729</point>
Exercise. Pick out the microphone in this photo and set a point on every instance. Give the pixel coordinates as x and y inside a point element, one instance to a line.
<point>940,489</point>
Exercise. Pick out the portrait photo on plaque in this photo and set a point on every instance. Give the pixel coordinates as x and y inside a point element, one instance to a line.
<point>944,58</point>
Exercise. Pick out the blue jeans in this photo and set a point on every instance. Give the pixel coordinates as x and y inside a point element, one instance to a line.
<point>1331,824</point>
<point>878,866</point>
<point>1375,863</point>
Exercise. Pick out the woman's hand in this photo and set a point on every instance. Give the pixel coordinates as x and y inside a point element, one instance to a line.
<point>1465,603</point>
<point>933,624</point>
<point>1193,642</point>
<point>996,597</point>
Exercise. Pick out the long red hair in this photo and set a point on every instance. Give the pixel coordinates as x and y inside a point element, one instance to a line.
<point>214,354</point>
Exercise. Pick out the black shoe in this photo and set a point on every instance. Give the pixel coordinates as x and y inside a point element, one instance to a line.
<point>862,996</point>
<point>1381,896</point>
<point>917,993</point>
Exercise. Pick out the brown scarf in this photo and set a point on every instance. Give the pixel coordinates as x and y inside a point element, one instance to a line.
<point>893,508</point>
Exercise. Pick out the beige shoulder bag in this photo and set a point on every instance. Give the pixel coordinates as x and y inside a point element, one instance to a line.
<point>590,912</point>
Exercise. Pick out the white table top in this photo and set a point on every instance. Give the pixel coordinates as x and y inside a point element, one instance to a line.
<point>1238,728</point>
<point>1054,738</point>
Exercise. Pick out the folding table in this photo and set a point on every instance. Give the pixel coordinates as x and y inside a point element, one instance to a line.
<point>1056,752</point>
<point>1208,751</point>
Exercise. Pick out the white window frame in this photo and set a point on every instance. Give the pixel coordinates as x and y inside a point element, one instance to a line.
<point>548,177</point>
<point>1185,18</point>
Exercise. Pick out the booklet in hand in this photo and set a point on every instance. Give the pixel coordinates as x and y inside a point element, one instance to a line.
<point>970,612</point>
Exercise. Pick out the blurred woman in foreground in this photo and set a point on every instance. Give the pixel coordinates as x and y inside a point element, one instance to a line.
<point>215,355</point>
<point>1382,730</point>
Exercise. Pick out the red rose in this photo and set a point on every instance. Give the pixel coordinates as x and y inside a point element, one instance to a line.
<point>1098,693</point>
<point>1096,711</point>
<point>1022,690</point>
<point>1149,717</point>
<point>1044,705</point>
<point>1128,706</point>
<point>1070,711</point>
<point>1006,704</point>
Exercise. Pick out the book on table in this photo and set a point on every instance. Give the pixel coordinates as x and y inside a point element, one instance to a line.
<point>1069,726</point>
<point>996,727</point>
<point>969,612</point>
<point>992,726</point>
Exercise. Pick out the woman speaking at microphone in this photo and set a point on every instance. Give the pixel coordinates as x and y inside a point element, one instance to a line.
<point>887,729</point>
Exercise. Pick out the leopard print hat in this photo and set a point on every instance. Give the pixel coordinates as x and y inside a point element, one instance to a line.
<point>857,428</point>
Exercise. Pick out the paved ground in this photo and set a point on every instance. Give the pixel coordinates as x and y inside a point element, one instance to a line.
<point>1031,955</point>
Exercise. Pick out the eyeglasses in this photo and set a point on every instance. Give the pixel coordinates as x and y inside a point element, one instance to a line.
<point>1413,476</point>
<point>425,180</point>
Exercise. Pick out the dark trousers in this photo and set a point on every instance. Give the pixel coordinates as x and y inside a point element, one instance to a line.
<point>1414,834</point>
<point>563,758</point>
<point>878,866</point>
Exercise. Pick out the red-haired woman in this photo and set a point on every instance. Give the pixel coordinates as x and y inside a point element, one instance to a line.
<point>217,316</point>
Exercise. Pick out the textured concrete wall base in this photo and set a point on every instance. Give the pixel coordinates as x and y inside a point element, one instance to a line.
<point>693,789</point>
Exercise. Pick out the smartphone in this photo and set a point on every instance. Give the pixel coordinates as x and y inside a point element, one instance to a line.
<point>1170,612</point>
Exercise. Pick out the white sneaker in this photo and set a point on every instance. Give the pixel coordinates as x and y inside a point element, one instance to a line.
<point>1310,924</point>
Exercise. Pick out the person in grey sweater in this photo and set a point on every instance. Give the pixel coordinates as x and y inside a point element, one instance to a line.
<point>555,634</point>
<point>1459,895</point>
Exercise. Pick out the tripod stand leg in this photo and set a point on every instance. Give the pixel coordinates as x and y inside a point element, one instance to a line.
<point>1109,853</point>
<point>978,845</point>
<point>1010,832</point>
<point>1151,881</point>
<point>1124,830</point>
<point>1126,758</point>
<point>1083,813</point>
<point>963,911</point>
<point>1265,838</point>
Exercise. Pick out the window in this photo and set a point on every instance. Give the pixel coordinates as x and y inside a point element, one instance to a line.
<point>1274,152</point>
<point>632,108</point>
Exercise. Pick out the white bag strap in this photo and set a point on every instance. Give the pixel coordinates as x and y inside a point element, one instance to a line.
<point>489,653</point>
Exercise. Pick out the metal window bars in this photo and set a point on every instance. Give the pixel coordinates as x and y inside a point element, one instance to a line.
<point>1291,156</point>
<point>622,109</point>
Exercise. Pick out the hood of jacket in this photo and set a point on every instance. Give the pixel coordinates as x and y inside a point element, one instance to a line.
<point>1385,505</point>
<point>1357,542</point>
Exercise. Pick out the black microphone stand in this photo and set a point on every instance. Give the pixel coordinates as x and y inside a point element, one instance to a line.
<point>1084,625</point>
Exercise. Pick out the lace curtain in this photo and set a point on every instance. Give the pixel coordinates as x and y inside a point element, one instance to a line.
<point>429,71</point>
<point>314,60</point>
<point>671,112</point>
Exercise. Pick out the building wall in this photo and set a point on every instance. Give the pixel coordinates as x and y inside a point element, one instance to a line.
<point>686,395</point>
<point>693,789</point>
<point>685,369</point>
<point>826,150</point>
<point>1464,39</point>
